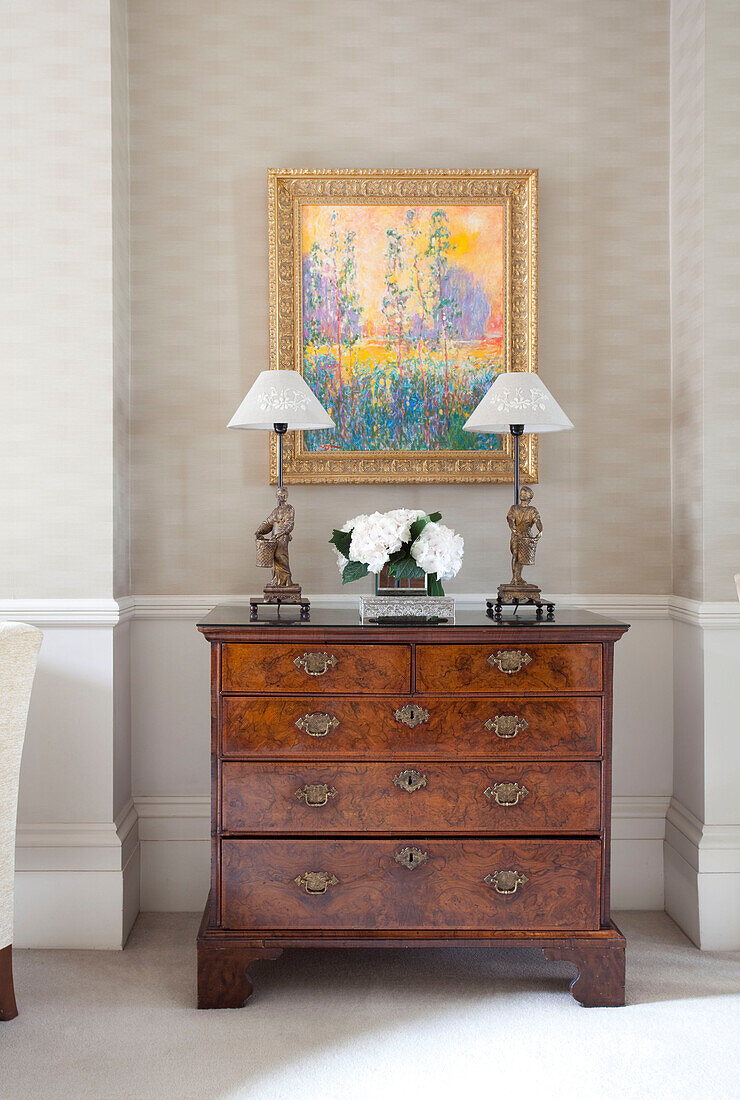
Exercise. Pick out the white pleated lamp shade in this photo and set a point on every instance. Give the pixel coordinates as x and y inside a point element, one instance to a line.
<point>280,397</point>
<point>518,397</point>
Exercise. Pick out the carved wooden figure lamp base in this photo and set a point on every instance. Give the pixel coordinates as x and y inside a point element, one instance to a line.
<point>279,401</point>
<point>519,402</point>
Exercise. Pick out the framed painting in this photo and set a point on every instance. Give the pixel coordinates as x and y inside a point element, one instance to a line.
<point>399,296</point>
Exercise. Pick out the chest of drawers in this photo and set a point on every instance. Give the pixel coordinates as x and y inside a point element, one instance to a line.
<point>410,786</point>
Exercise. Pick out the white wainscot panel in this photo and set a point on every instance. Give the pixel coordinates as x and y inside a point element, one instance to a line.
<point>170,683</point>
<point>77,854</point>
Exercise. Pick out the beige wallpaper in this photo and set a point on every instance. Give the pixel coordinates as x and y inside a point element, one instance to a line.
<point>705,270</point>
<point>55,412</point>
<point>121,299</point>
<point>222,91</point>
<point>687,294</point>
<point>722,301</point>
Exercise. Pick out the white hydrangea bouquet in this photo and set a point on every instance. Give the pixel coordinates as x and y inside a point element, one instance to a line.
<point>411,543</point>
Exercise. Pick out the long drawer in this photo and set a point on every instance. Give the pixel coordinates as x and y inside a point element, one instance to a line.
<point>315,669</point>
<point>394,726</point>
<point>425,797</point>
<point>410,883</point>
<point>514,668</point>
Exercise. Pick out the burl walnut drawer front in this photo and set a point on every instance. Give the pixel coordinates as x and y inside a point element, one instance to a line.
<point>422,797</point>
<point>410,883</point>
<point>517,667</point>
<point>315,669</point>
<point>396,726</point>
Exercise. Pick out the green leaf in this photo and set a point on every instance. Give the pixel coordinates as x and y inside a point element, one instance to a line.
<point>354,571</point>
<point>341,540</point>
<point>419,524</point>
<point>399,555</point>
<point>405,568</point>
<point>434,586</point>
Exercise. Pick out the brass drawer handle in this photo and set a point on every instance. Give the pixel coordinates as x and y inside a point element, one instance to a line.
<point>318,724</point>
<point>316,794</point>
<point>506,725</point>
<point>506,794</point>
<point>411,857</point>
<point>316,882</point>
<point>315,664</point>
<point>506,882</point>
<point>410,780</point>
<point>411,715</point>
<point>509,660</point>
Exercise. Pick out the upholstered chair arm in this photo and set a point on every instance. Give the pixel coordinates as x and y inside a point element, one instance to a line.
<point>19,647</point>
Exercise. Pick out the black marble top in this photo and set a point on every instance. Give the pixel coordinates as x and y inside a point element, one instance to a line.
<point>237,614</point>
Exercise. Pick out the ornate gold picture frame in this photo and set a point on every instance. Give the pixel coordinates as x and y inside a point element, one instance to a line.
<point>399,295</point>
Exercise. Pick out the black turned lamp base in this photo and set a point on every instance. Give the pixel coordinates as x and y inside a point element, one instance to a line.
<point>255,602</point>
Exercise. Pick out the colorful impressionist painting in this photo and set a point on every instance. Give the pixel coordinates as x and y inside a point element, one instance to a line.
<point>402,325</point>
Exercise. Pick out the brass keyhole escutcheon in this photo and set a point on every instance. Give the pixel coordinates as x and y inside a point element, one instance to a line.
<point>411,857</point>
<point>506,725</point>
<point>506,794</point>
<point>316,794</point>
<point>509,660</point>
<point>411,715</point>
<point>318,724</point>
<point>316,882</point>
<point>410,780</point>
<point>506,882</point>
<point>315,664</point>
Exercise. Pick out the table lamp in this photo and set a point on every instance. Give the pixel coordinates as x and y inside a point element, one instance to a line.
<point>519,402</point>
<point>279,401</point>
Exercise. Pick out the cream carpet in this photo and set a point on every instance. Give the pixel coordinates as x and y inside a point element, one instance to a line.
<point>377,1023</point>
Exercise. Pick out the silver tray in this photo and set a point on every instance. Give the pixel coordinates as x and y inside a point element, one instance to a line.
<point>407,607</point>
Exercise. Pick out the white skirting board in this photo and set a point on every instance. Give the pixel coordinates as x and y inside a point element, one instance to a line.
<point>78,885</point>
<point>702,879</point>
<point>77,850</point>
<point>77,909</point>
<point>702,849</point>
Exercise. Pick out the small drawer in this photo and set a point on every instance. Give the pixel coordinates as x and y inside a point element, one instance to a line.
<point>423,797</point>
<point>318,669</point>
<point>511,667</point>
<point>410,883</point>
<point>428,726</point>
